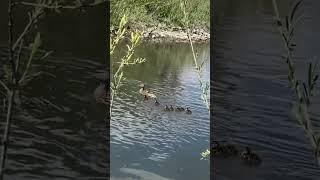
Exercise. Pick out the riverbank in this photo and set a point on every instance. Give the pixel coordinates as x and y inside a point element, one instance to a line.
<point>165,33</point>
<point>176,35</point>
<point>161,32</point>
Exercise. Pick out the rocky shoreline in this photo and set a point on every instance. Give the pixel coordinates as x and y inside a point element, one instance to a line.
<point>164,33</point>
<point>176,34</point>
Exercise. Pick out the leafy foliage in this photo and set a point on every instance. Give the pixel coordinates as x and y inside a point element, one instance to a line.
<point>126,60</point>
<point>159,11</point>
<point>303,89</point>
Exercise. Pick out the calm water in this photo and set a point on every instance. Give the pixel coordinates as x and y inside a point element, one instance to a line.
<point>148,143</point>
<point>58,130</point>
<point>252,99</point>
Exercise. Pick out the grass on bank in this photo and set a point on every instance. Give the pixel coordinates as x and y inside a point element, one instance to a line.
<point>153,12</point>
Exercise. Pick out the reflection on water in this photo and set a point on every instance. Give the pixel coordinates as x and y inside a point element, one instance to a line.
<point>251,94</point>
<point>149,143</point>
<point>140,174</point>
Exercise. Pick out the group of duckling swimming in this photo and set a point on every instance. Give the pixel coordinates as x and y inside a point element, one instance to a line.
<point>178,109</point>
<point>229,150</point>
<point>148,94</point>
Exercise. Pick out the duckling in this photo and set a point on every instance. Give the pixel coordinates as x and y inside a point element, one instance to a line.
<point>250,158</point>
<point>182,108</point>
<point>171,108</point>
<point>188,111</point>
<point>166,108</point>
<point>178,108</point>
<point>156,102</point>
<point>224,150</point>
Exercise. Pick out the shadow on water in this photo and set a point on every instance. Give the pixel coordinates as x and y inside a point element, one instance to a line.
<point>58,130</point>
<point>149,143</point>
<point>252,99</point>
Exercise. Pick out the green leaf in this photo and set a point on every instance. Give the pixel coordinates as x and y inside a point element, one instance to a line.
<point>36,44</point>
<point>315,78</point>
<point>206,153</point>
<point>123,21</point>
<point>295,8</point>
<point>285,38</point>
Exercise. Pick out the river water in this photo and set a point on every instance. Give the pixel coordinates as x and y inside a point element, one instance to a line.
<point>58,130</point>
<point>251,96</point>
<point>149,143</point>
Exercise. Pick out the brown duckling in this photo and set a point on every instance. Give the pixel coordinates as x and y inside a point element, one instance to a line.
<point>188,111</point>
<point>156,102</point>
<point>171,108</point>
<point>217,150</point>
<point>224,150</point>
<point>166,108</point>
<point>250,158</point>
<point>179,109</point>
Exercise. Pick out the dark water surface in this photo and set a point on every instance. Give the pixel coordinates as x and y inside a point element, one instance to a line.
<point>58,130</point>
<point>251,95</point>
<point>148,143</point>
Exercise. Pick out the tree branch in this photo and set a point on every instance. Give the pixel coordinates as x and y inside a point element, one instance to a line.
<point>56,6</point>
<point>27,28</point>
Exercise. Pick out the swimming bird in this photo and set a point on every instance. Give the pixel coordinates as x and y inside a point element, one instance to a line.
<point>166,108</point>
<point>224,150</point>
<point>250,158</point>
<point>156,102</point>
<point>188,111</point>
<point>146,92</point>
<point>171,108</point>
<point>179,109</point>
<point>217,150</point>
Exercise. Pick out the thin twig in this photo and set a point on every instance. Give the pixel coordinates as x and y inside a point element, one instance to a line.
<point>11,51</point>
<point>4,86</point>
<point>27,28</point>
<point>5,141</point>
<point>197,67</point>
<point>61,6</point>
<point>19,57</point>
<point>125,60</point>
<point>301,107</point>
<point>11,94</point>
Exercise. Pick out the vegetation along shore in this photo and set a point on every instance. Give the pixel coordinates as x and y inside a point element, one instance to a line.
<point>162,21</point>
